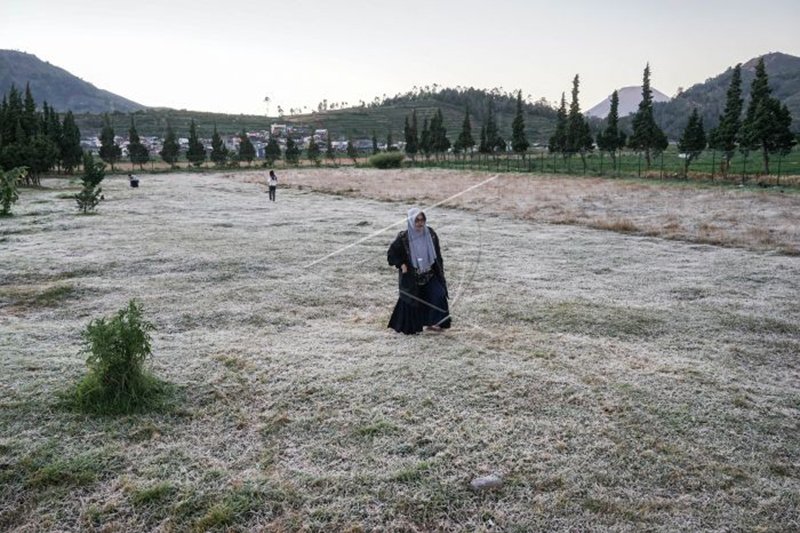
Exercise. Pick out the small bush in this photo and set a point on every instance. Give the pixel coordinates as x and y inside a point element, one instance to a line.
<point>8,188</point>
<point>117,381</point>
<point>91,194</point>
<point>387,160</point>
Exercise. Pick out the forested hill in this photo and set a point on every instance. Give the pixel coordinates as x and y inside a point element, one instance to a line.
<point>390,113</point>
<point>60,89</point>
<point>379,117</point>
<point>709,97</point>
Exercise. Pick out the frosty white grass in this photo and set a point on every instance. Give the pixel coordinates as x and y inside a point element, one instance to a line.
<point>614,381</point>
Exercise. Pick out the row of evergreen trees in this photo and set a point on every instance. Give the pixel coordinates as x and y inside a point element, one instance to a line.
<point>433,139</point>
<point>765,127</point>
<point>38,140</point>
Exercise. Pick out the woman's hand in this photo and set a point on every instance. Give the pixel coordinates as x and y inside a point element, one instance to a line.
<point>403,268</point>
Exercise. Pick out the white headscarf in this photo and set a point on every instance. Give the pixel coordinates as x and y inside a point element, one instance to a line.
<point>420,243</point>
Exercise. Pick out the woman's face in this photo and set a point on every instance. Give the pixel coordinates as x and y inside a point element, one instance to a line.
<point>419,222</point>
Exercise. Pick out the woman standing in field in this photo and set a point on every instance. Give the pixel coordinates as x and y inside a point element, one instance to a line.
<point>272,183</point>
<point>423,289</point>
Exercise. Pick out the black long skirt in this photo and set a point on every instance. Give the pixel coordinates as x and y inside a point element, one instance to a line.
<point>412,317</point>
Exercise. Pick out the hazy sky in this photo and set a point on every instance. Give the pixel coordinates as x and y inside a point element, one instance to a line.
<point>227,56</point>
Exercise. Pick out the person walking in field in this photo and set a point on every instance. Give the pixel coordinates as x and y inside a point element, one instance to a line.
<point>417,256</point>
<point>272,183</point>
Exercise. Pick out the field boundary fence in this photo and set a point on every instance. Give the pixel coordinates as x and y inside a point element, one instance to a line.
<point>744,168</point>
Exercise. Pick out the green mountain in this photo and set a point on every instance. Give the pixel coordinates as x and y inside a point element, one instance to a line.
<point>56,86</point>
<point>709,97</point>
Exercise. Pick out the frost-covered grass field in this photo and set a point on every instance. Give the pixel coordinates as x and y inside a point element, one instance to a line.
<point>615,381</point>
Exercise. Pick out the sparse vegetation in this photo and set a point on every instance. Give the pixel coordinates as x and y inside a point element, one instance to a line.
<point>117,350</point>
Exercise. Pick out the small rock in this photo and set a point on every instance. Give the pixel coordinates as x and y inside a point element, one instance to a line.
<point>492,482</point>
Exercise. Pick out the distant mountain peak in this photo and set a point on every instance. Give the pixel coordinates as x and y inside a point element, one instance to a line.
<point>629,98</point>
<point>60,89</point>
<point>775,61</point>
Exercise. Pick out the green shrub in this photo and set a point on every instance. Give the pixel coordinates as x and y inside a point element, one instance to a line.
<point>8,188</point>
<point>117,381</point>
<point>91,193</point>
<point>387,160</point>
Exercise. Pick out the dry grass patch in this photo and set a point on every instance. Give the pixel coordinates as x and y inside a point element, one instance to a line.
<point>763,219</point>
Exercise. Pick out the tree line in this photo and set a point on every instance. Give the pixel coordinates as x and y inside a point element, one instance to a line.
<point>38,140</point>
<point>765,127</point>
<point>433,138</point>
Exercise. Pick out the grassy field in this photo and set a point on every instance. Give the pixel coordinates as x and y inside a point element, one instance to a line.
<point>616,377</point>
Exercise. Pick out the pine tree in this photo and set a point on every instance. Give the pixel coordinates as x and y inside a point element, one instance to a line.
<point>425,143</point>
<point>465,142</point>
<point>292,151</point>
<point>52,128</point>
<point>647,137</point>
<point>196,152</point>
<point>91,194</point>
<point>579,137</point>
<point>725,136</point>
<point>219,152</point>
<point>483,147</point>
<point>29,120</point>
<point>330,154</point>
<point>273,151</point>
<point>137,152</point>
<point>313,152</point>
<point>519,143</point>
<point>766,125</point>
<point>171,149</point>
<point>42,155</point>
<point>438,134</point>
<point>110,152</point>
<point>558,142</point>
<point>493,140</point>
<point>612,139</point>
<point>247,152</point>
<point>785,140</point>
<point>693,141</point>
<point>71,151</point>
<point>352,153</point>
<point>11,117</point>
<point>410,135</point>
<point>414,132</point>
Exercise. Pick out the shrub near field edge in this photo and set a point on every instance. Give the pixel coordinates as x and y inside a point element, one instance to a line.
<point>387,160</point>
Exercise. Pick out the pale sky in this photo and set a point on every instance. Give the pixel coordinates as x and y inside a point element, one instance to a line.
<point>227,56</point>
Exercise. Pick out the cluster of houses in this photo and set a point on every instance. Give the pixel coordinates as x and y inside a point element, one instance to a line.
<point>280,132</point>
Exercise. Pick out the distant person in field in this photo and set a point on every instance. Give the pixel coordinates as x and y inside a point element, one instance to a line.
<point>423,290</point>
<point>272,183</point>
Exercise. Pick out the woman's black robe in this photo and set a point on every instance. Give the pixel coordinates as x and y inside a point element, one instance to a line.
<point>411,314</point>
